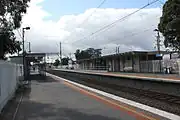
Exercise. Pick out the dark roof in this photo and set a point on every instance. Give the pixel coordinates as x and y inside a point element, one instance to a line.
<point>15,56</point>
<point>35,54</point>
<point>30,54</point>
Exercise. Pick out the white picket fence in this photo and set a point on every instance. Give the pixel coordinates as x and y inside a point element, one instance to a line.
<point>10,74</point>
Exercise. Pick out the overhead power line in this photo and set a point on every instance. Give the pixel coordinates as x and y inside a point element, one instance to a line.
<point>134,34</point>
<point>121,19</point>
<point>161,2</point>
<point>137,33</point>
<point>90,14</point>
<point>93,12</point>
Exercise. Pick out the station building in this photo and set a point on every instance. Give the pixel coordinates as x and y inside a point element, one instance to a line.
<point>134,61</point>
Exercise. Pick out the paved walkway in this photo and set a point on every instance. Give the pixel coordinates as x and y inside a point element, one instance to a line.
<point>57,100</point>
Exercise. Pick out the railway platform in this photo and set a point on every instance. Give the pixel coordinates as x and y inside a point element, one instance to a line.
<point>149,75</point>
<point>57,99</point>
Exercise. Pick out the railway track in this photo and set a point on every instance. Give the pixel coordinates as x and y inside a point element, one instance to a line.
<point>159,96</point>
<point>162,101</point>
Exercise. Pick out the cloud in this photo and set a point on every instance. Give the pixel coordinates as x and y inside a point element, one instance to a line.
<point>134,33</point>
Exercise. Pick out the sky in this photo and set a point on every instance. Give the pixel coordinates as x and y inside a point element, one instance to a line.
<point>72,23</point>
<point>59,8</point>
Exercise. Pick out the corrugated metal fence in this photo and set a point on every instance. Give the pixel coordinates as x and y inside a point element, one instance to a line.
<point>9,77</point>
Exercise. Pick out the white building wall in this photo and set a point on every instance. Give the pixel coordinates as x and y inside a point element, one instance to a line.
<point>9,78</point>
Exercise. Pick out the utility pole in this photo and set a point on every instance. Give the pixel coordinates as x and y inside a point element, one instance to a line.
<point>29,47</point>
<point>118,49</point>
<point>158,41</point>
<point>158,46</point>
<point>1,49</point>
<point>70,55</point>
<point>24,65</point>
<point>60,52</point>
<point>2,44</point>
<point>24,69</point>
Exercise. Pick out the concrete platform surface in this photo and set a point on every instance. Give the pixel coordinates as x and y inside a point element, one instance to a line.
<point>57,100</point>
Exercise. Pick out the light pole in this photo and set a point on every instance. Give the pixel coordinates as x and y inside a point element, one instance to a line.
<point>60,53</point>
<point>23,32</point>
<point>158,46</point>
<point>117,49</point>
<point>158,40</point>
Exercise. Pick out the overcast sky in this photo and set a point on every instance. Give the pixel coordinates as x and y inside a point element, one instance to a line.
<point>52,21</point>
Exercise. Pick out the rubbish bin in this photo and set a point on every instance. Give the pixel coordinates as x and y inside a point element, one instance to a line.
<point>167,70</point>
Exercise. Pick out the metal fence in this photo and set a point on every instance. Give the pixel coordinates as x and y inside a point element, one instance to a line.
<point>9,77</point>
<point>160,66</point>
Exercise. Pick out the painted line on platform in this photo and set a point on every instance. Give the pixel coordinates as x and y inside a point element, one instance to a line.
<point>126,101</point>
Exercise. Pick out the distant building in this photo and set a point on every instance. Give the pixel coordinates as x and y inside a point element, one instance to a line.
<point>134,61</point>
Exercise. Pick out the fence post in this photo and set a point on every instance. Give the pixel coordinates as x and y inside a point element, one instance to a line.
<point>132,62</point>
<point>139,64</point>
<point>178,61</point>
<point>160,66</point>
<point>1,49</point>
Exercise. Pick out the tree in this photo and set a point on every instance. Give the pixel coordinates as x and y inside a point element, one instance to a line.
<point>56,63</point>
<point>169,24</point>
<point>11,12</point>
<point>93,53</point>
<point>65,61</point>
<point>77,54</point>
<point>87,54</point>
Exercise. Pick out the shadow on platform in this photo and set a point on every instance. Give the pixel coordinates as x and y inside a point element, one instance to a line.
<point>36,110</point>
<point>41,79</point>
